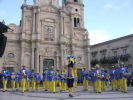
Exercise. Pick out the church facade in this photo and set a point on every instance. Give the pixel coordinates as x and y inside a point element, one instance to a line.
<point>48,33</point>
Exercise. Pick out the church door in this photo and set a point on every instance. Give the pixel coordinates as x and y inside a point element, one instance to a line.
<point>47,63</point>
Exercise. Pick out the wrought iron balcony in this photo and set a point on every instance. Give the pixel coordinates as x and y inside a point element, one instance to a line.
<point>94,62</point>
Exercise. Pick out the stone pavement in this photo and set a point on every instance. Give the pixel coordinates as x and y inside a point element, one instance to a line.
<point>78,95</point>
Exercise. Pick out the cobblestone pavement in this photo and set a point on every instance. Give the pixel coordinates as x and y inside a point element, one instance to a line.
<point>78,95</point>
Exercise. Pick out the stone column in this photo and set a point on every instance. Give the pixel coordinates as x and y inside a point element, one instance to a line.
<point>23,18</point>
<point>37,57</point>
<point>61,22</point>
<point>33,27</point>
<point>57,62</point>
<point>41,65</point>
<point>38,21</point>
<point>72,26</point>
<point>32,58</point>
<point>62,58</point>
<point>73,50</point>
<point>22,54</point>
<point>88,60</point>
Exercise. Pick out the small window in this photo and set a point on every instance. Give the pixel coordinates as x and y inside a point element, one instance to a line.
<point>75,22</point>
<point>78,22</point>
<point>48,33</point>
<point>124,51</point>
<point>115,53</point>
<point>11,55</point>
<point>76,9</point>
<point>75,0</point>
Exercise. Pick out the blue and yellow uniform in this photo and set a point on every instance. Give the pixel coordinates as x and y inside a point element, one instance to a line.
<point>52,79</point>
<point>45,80</point>
<point>112,78</point>
<point>85,78</point>
<point>123,71</point>
<point>5,77</point>
<point>103,80</point>
<point>37,79</point>
<point>24,73</point>
<point>97,83</point>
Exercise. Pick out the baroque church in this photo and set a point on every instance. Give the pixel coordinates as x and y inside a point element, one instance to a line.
<point>48,33</point>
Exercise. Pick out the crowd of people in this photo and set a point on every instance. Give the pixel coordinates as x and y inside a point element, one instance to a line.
<point>67,79</point>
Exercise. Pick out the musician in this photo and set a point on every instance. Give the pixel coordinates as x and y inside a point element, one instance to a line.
<point>5,77</point>
<point>18,80</point>
<point>117,77</point>
<point>33,82</point>
<point>52,79</point>
<point>70,74</point>
<point>93,78</point>
<point>103,79</point>
<point>45,80</point>
<point>63,80</point>
<point>13,78</point>
<point>97,83</point>
<point>85,78</point>
<point>112,77</point>
<point>57,80</point>
<point>24,72</point>
<point>37,79</point>
<point>123,77</point>
<point>28,81</point>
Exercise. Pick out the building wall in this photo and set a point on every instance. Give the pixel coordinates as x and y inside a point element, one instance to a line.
<point>109,47</point>
<point>43,34</point>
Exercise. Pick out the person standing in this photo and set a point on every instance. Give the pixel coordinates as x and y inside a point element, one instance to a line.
<point>85,79</point>
<point>24,73</point>
<point>45,79</point>
<point>123,77</point>
<point>33,82</point>
<point>5,77</point>
<point>103,80</point>
<point>37,79</point>
<point>57,80</point>
<point>70,74</point>
<point>13,78</point>
<point>112,77</point>
<point>52,79</point>
<point>97,83</point>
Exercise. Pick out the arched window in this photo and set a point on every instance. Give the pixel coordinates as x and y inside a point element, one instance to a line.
<point>76,22</point>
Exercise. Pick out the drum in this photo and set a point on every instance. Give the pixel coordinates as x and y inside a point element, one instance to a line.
<point>13,76</point>
<point>37,82</point>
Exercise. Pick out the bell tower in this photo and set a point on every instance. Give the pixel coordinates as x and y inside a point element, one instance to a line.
<point>75,7</point>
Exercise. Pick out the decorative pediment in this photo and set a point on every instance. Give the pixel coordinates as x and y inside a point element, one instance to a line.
<point>49,8</point>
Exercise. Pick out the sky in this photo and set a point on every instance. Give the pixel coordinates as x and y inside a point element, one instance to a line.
<point>104,19</point>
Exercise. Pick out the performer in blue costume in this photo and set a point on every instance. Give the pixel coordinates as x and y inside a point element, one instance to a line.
<point>5,77</point>
<point>70,75</point>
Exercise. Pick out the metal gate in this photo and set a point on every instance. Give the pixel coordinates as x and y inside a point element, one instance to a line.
<point>47,63</point>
